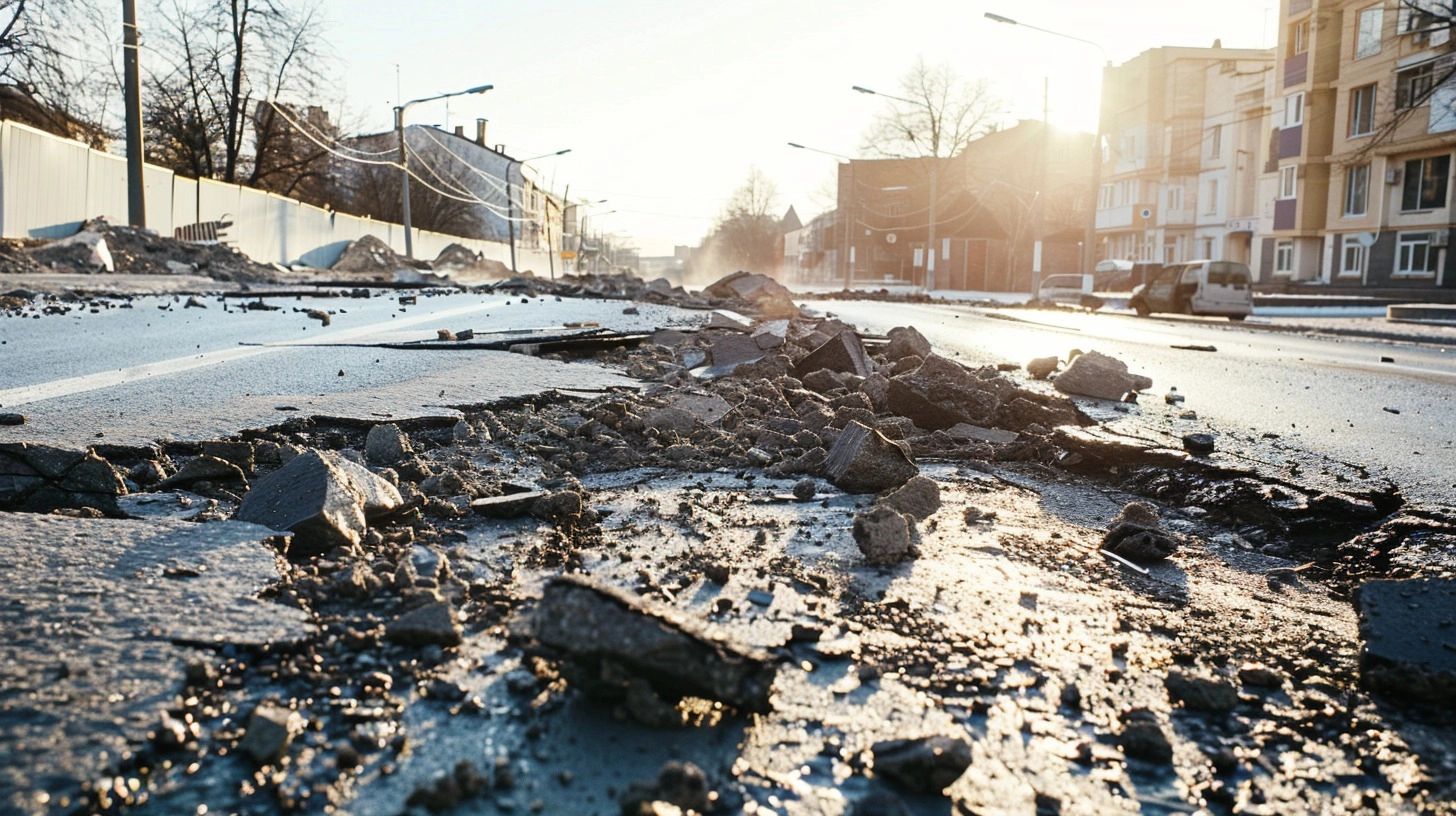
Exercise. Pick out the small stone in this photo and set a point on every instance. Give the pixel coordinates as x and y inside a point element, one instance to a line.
<point>1202,443</point>
<point>270,731</point>
<point>805,489</point>
<point>1137,543</point>
<point>431,624</point>
<point>1260,676</point>
<point>923,765</point>
<point>1040,368</point>
<point>386,445</point>
<point>883,536</point>
<point>919,498</point>
<point>1200,693</point>
<point>1143,738</point>
<point>1137,512</point>
<point>204,468</point>
<point>8,418</point>
<point>907,341</point>
<point>1095,374</point>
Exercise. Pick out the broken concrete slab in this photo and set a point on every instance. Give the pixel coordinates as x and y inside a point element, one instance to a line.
<point>941,393</point>
<point>907,341</point>
<point>727,351</point>
<point>99,626</point>
<point>771,334</point>
<point>749,287</point>
<point>600,630</point>
<point>1408,632</point>
<point>708,409</point>
<point>203,468</point>
<point>380,497</point>
<point>41,478</point>
<point>864,461</point>
<point>1094,374</point>
<point>314,497</point>
<point>729,319</point>
<point>843,353</point>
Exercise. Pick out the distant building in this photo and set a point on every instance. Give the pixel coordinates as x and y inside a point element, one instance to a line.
<point>1181,136</point>
<point>994,200</point>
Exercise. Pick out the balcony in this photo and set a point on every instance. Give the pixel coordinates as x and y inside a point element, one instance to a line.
<point>1285,210</point>
<point>1128,216</point>
<point>1296,69</point>
<point>1289,141</point>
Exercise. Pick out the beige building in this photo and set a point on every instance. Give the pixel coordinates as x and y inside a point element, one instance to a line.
<point>1359,181</point>
<point>1181,133</point>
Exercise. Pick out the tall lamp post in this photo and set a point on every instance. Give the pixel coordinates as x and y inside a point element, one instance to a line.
<point>848,222</point>
<point>1089,248</point>
<point>399,110</point>
<point>931,248</point>
<point>511,199</point>
<point>136,201</point>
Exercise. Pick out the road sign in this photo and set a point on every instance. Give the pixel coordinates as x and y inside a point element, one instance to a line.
<point>568,255</point>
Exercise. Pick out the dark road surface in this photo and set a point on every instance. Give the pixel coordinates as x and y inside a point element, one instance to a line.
<point>1326,394</point>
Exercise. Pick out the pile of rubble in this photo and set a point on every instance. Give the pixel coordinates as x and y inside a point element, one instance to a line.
<point>102,248</point>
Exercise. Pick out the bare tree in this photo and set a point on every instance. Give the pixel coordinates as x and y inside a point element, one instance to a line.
<point>217,62</point>
<point>1423,18</point>
<point>60,72</point>
<point>374,191</point>
<point>943,114</point>
<point>747,235</point>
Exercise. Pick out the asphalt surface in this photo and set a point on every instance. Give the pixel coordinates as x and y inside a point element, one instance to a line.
<point>1330,395</point>
<point>161,370</point>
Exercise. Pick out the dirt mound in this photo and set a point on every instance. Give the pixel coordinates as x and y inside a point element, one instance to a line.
<point>141,252</point>
<point>368,256</point>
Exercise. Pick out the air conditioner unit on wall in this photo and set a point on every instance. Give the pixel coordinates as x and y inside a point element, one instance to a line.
<point>1440,239</point>
<point>1392,175</point>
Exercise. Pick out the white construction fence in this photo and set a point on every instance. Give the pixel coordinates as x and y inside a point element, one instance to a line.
<point>49,186</point>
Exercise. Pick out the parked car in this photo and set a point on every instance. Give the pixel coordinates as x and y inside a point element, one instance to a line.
<point>1074,290</point>
<point>1198,287</point>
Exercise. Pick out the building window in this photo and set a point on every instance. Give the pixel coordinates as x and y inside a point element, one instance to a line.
<point>1289,181</point>
<point>1357,189</point>
<point>1210,204</point>
<point>1413,85</point>
<point>1362,111</point>
<point>1299,37</point>
<point>1175,197</point>
<point>1414,255</point>
<point>1414,19</point>
<point>1215,141</point>
<point>1425,183</point>
<point>1367,34</point>
<point>1352,257</point>
<point>1105,199</point>
<point>1294,110</point>
<point>1284,257</point>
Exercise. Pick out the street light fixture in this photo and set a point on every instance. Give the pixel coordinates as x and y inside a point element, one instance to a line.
<point>1089,250</point>
<point>511,200</point>
<point>931,249</point>
<point>409,241</point>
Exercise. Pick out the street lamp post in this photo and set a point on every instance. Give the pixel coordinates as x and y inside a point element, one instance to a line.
<point>848,251</point>
<point>399,110</point>
<point>931,249</point>
<point>1089,248</point>
<point>511,199</point>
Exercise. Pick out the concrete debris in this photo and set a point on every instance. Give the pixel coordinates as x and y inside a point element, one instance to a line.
<point>386,445</point>
<point>510,505</point>
<point>764,294</point>
<point>885,536</point>
<point>965,430</point>
<point>919,497</point>
<point>907,341</point>
<point>134,251</point>
<point>728,319</point>
<point>1173,397</point>
<point>271,729</point>
<point>85,251</point>
<point>671,419</point>
<point>941,393</point>
<point>204,468</point>
<point>862,460</point>
<point>1041,368</point>
<point>432,624</point>
<point>730,350</point>
<point>681,786</point>
<point>1137,512</point>
<point>1094,374</point>
<point>771,334</point>
<point>321,498</point>
<point>1199,443</point>
<point>923,765</point>
<point>1143,738</point>
<point>368,255</point>
<point>1197,693</point>
<point>805,489</point>
<point>1139,544</point>
<point>41,478</point>
<point>843,353</point>
<point>607,637</point>
<point>1408,635</point>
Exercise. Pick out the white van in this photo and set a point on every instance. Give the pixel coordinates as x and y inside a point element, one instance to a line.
<point>1073,290</point>
<point>1222,288</point>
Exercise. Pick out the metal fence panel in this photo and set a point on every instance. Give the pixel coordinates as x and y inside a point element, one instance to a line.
<point>157,186</point>
<point>44,183</point>
<point>106,187</point>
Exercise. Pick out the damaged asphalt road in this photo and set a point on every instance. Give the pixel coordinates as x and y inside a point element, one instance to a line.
<point>771,566</point>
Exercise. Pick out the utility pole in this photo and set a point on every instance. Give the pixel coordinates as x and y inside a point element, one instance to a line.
<point>136,196</point>
<point>511,214</point>
<point>409,239</point>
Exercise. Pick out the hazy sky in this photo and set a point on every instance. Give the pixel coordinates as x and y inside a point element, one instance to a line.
<point>666,104</point>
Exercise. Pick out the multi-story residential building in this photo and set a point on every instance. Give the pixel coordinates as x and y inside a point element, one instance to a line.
<point>810,252</point>
<point>1386,212</point>
<point>1178,154</point>
<point>994,201</point>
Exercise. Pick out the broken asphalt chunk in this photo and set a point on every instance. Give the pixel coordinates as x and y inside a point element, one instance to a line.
<point>941,393</point>
<point>919,497</point>
<point>1408,629</point>
<point>843,353</point>
<point>511,505</point>
<point>321,498</point>
<point>1095,374</point>
<point>923,765</point>
<point>907,341</point>
<point>885,536</point>
<point>594,628</point>
<point>1139,544</point>
<point>864,461</point>
<point>271,729</point>
<point>40,478</point>
<point>433,624</point>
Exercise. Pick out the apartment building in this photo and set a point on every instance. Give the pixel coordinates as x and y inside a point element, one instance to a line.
<point>1387,212</point>
<point>1181,131</point>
